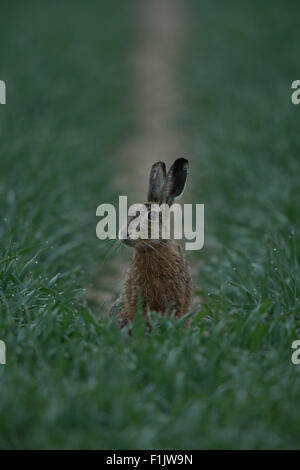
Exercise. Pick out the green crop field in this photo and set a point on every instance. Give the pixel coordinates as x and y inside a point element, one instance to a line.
<point>74,381</point>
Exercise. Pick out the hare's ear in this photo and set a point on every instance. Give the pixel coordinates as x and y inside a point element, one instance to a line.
<point>175,181</point>
<point>156,181</point>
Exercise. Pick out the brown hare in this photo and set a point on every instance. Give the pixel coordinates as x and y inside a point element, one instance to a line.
<point>158,274</point>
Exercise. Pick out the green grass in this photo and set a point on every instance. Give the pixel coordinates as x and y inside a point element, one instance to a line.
<point>244,142</point>
<point>72,381</point>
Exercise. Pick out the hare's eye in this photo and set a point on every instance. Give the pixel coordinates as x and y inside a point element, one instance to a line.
<point>152,215</point>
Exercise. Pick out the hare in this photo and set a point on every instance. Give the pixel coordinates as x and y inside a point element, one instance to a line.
<point>158,274</point>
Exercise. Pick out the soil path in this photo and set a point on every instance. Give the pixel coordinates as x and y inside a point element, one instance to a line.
<point>156,96</point>
<point>160,32</point>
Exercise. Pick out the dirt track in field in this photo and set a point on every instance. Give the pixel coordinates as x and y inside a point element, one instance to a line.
<point>160,32</point>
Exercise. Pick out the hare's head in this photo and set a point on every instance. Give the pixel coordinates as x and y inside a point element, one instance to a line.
<point>148,220</point>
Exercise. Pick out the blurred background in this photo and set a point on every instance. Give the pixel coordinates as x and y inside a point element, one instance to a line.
<point>96,93</point>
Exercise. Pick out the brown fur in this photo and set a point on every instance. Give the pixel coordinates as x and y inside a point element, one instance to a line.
<point>158,272</point>
<point>162,277</point>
